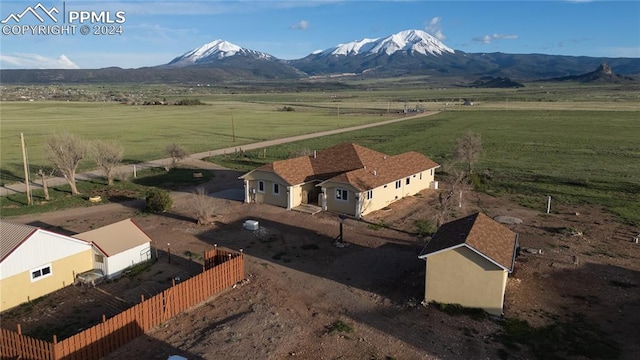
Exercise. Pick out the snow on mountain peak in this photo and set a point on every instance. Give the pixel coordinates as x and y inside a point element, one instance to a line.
<point>215,50</point>
<point>408,40</point>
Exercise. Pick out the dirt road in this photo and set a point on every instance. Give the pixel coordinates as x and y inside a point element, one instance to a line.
<point>55,181</point>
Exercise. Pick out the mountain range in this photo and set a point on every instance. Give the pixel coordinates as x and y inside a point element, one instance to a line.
<point>407,53</point>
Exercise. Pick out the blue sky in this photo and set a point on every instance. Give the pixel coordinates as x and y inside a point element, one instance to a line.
<point>154,32</point>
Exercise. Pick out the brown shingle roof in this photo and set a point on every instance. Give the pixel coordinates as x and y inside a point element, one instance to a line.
<point>350,163</point>
<point>479,232</point>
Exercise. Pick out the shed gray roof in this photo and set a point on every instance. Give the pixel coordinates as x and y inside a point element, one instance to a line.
<point>12,235</point>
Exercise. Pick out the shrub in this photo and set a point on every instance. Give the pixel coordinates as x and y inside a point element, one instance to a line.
<point>425,228</point>
<point>339,326</point>
<point>158,201</point>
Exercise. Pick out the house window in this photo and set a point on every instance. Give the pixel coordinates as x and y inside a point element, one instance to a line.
<point>342,194</point>
<point>398,184</point>
<point>99,258</point>
<point>41,272</point>
<point>261,186</point>
<point>421,175</point>
<point>408,180</point>
<point>369,194</point>
<point>276,189</point>
<point>431,171</point>
<point>385,186</point>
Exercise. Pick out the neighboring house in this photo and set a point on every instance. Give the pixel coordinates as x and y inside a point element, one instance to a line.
<point>346,178</point>
<point>35,262</point>
<point>118,246</point>
<point>467,263</point>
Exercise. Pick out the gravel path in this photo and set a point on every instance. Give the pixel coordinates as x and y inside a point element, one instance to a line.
<point>55,181</point>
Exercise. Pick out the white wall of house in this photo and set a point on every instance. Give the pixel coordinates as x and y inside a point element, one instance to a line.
<point>115,264</point>
<point>40,248</point>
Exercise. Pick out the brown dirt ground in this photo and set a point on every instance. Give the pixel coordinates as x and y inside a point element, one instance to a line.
<point>299,284</point>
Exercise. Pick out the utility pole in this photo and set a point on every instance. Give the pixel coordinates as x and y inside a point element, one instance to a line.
<point>26,168</point>
<point>233,128</point>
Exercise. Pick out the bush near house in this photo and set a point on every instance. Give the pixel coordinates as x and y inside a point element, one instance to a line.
<point>157,201</point>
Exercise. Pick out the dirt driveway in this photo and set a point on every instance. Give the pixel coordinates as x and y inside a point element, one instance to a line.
<point>306,298</point>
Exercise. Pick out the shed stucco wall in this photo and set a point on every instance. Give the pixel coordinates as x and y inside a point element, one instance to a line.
<point>461,276</point>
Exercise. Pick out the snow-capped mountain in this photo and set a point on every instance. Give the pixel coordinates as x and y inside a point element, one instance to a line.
<point>409,52</point>
<point>406,52</point>
<point>214,51</point>
<point>410,41</point>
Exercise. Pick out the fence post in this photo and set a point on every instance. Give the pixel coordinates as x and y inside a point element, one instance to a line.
<point>55,354</point>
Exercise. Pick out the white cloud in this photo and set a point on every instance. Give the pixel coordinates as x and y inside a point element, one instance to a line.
<point>435,29</point>
<point>302,25</point>
<point>35,61</point>
<point>488,39</point>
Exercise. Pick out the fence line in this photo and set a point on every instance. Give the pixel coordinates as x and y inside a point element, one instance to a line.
<point>221,270</point>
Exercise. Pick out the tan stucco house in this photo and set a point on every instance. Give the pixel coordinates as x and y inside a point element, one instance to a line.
<point>468,261</point>
<point>346,178</point>
<point>35,262</point>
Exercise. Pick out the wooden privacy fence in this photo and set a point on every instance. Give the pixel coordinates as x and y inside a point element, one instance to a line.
<point>221,270</point>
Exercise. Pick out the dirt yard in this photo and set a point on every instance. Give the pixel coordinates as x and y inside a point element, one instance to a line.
<point>305,298</point>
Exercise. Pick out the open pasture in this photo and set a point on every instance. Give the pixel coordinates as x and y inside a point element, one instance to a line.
<point>588,157</point>
<point>576,143</point>
<point>145,131</point>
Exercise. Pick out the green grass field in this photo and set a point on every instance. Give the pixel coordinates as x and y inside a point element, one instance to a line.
<point>145,131</point>
<point>575,156</point>
<point>577,143</point>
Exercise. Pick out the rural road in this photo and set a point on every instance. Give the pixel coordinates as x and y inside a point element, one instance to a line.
<point>56,181</point>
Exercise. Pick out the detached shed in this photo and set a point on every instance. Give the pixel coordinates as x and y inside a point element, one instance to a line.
<point>118,246</point>
<point>468,261</point>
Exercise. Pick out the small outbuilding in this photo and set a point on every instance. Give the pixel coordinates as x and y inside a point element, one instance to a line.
<point>118,246</point>
<point>35,262</point>
<point>468,261</point>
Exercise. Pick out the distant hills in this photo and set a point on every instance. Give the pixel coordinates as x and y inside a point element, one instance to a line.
<point>407,53</point>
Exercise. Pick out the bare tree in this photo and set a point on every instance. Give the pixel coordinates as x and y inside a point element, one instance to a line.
<point>447,198</point>
<point>44,175</point>
<point>108,155</point>
<point>203,205</point>
<point>468,149</point>
<point>65,151</point>
<point>176,153</point>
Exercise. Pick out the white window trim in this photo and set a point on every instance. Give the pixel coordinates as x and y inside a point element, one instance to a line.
<point>342,191</point>
<point>39,269</point>
<point>276,185</point>
<point>263,186</point>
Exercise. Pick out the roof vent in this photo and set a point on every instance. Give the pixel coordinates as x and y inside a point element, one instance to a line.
<point>375,173</point>
<point>315,154</point>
